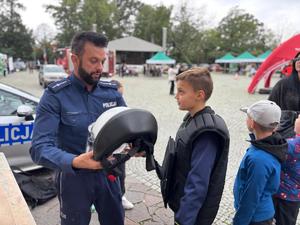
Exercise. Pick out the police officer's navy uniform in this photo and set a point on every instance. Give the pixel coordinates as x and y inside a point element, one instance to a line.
<point>60,134</point>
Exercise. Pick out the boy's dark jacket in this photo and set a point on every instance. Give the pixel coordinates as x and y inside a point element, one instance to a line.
<point>274,145</point>
<point>192,127</point>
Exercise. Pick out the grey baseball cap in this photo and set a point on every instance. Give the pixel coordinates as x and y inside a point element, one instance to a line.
<point>264,112</point>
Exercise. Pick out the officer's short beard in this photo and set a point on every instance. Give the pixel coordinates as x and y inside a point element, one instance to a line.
<point>85,76</point>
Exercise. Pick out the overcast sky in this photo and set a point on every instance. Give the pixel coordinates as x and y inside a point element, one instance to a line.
<point>282,16</point>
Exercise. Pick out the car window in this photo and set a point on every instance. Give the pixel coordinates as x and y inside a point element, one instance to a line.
<point>9,103</point>
<point>53,69</point>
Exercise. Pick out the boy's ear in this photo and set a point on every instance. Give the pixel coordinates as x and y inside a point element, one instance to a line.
<point>201,94</point>
<point>252,124</point>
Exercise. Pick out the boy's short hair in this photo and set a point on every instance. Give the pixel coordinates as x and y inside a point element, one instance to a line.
<point>263,128</point>
<point>199,78</point>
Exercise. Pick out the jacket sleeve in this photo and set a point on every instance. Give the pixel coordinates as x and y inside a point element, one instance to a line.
<point>275,95</point>
<point>256,178</point>
<point>44,150</point>
<point>196,187</point>
<point>120,100</point>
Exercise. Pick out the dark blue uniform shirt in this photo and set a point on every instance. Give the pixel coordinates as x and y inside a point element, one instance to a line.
<point>64,113</point>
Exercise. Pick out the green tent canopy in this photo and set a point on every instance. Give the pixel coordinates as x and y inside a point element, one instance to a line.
<point>245,57</point>
<point>263,56</point>
<point>160,58</point>
<point>225,59</point>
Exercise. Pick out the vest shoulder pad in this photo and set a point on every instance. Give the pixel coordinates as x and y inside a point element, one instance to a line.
<point>59,85</point>
<point>107,84</point>
<point>208,121</point>
<point>202,123</point>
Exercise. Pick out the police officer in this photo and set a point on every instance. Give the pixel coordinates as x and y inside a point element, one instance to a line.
<point>60,133</point>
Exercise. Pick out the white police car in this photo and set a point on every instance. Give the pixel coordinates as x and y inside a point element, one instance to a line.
<point>17,112</point>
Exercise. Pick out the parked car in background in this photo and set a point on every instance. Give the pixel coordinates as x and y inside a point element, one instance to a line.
<point>204,65</point>
<point>19,65</point>
<point>49,73</point>
<point>17,113</point>
<point>215,67</point>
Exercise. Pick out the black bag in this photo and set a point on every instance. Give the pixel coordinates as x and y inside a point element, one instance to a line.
<point>36,190</point>
<point>287,122</point>
<point>167,170</point>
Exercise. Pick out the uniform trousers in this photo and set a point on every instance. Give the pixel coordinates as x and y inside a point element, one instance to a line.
<point>78,191</point>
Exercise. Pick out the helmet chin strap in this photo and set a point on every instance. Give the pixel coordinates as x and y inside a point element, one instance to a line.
<point>139,145</point>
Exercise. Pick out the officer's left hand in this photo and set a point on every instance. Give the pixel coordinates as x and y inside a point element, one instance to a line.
<point>86,161</point>
<point>140,154</point>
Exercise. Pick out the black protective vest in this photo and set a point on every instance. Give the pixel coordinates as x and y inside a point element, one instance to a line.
<point>204,121</point>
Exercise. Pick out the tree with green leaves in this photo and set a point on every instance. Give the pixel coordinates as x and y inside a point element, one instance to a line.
<point>44,38</point>
<point>209,46</point>
<point>67,18</point>
<point>150,21</point>
<point>240,31</point>
<point>114,18</point>
<point>15,39</point>
<point>124,16</point>
<point>99,12</point>
<point>186,35</point>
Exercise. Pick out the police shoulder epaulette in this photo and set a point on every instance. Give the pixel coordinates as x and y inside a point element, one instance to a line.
<point>59,85</point>
<point>108,84</point>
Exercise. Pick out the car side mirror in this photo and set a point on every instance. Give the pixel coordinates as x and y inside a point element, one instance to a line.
<point>25,111</point>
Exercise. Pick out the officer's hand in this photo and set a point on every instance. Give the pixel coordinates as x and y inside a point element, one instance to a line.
<point>140,154</point>
<point>86,161</point>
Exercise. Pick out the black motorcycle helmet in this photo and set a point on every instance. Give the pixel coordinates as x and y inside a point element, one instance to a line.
<point>123,125</point>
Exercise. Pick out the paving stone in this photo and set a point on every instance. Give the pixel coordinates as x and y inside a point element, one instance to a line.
<point>138,188</point>
<point>130,222</point>
<point>165,215</point>
<point>151,200</point>
<point>153,223</point>
<point>135,197</point>
<point>154,208</point>
<point>139,214</point>
<point>154,193</point>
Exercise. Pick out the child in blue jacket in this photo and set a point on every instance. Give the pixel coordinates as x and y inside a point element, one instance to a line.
<point>258,176</point>
<point>287,199</point>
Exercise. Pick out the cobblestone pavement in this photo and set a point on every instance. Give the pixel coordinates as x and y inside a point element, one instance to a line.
<point>150,93</point>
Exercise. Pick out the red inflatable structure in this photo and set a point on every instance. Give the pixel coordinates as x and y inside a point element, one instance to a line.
<point>278,58</point>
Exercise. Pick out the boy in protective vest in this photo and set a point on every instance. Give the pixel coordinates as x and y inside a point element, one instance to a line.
<point>258,176</point>
<point>201,152</point>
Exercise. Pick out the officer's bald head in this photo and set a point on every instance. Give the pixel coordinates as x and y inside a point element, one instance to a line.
<point>80,39</point>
